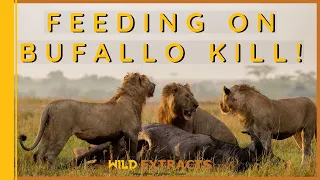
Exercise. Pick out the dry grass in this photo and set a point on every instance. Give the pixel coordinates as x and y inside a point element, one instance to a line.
<point>30,109</point>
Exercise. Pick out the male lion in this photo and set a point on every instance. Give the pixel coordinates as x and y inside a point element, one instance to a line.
<point>179,108</point>
<point>272,119</point>
<point>95,123</point>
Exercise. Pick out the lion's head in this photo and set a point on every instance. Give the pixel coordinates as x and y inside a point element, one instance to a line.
<point>177,102</point>
<point>137,84</point>
<point>234,99</point>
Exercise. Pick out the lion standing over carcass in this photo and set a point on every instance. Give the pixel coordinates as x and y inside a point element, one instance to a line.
<point>95,123</point>
<point>179,108</point>
<point>272,119</point>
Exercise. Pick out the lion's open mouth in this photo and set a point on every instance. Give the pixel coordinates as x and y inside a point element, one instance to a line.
<point>188,114</point>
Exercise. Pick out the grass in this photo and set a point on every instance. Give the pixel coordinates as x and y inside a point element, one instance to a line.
<point>30,109</point>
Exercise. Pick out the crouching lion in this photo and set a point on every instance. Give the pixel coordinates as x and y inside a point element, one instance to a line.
<point>95,123</point>
<point>179,108</point>
<point>272,119</point>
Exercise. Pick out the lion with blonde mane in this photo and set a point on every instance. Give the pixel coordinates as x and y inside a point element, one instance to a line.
<point>179,108</point>
<point>95,123</point>
<point>272,119</point>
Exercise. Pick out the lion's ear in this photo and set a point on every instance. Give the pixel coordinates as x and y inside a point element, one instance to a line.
<point>175,89</point>
<point>143,79</point>
<point>170,89</point>
<point>226,90</point>
<point>140,79</point>
<point>187,86</point>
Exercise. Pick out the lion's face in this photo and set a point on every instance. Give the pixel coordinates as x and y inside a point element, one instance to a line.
<point>188,104</point>
<point>140,80</point>
<point>227,101</point>
<point>232,100</point>
<point>184,104</point>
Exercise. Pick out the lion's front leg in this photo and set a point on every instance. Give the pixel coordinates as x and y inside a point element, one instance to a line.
<point>133,145</point>
<point>265,136</point>
<point>131,130</point>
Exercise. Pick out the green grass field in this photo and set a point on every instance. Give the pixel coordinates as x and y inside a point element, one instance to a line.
<point>30,109</point>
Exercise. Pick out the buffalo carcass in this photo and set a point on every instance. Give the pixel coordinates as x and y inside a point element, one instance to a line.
<point>160,141</point>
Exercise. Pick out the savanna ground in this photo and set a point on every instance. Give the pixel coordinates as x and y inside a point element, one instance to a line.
<point>30,109</point>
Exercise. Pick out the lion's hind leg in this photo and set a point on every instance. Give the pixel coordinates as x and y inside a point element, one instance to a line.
<point>308,134</point>
<point>298,138</point>
<point>39,155</point>
<point>57,142</point>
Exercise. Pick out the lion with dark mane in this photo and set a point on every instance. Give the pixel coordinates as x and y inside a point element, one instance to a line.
<point>272,119</point>
<point>179,108</point>
<point>95,123</point>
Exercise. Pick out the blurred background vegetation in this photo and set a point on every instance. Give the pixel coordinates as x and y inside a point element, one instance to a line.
<point>266,78</point>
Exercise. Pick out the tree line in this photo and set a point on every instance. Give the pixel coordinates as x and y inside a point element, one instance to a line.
<point>92,87</point>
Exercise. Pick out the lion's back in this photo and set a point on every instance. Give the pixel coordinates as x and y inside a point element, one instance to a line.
<point>285,114</point>
<point>302,107</point>
<point>205,123</point>
<point>80,110</point>
<point>66,105</point>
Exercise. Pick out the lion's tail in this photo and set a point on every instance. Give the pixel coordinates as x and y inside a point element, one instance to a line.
<point>44,119</point>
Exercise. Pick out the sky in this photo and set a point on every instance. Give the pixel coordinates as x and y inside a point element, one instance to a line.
<point>295,22</point>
